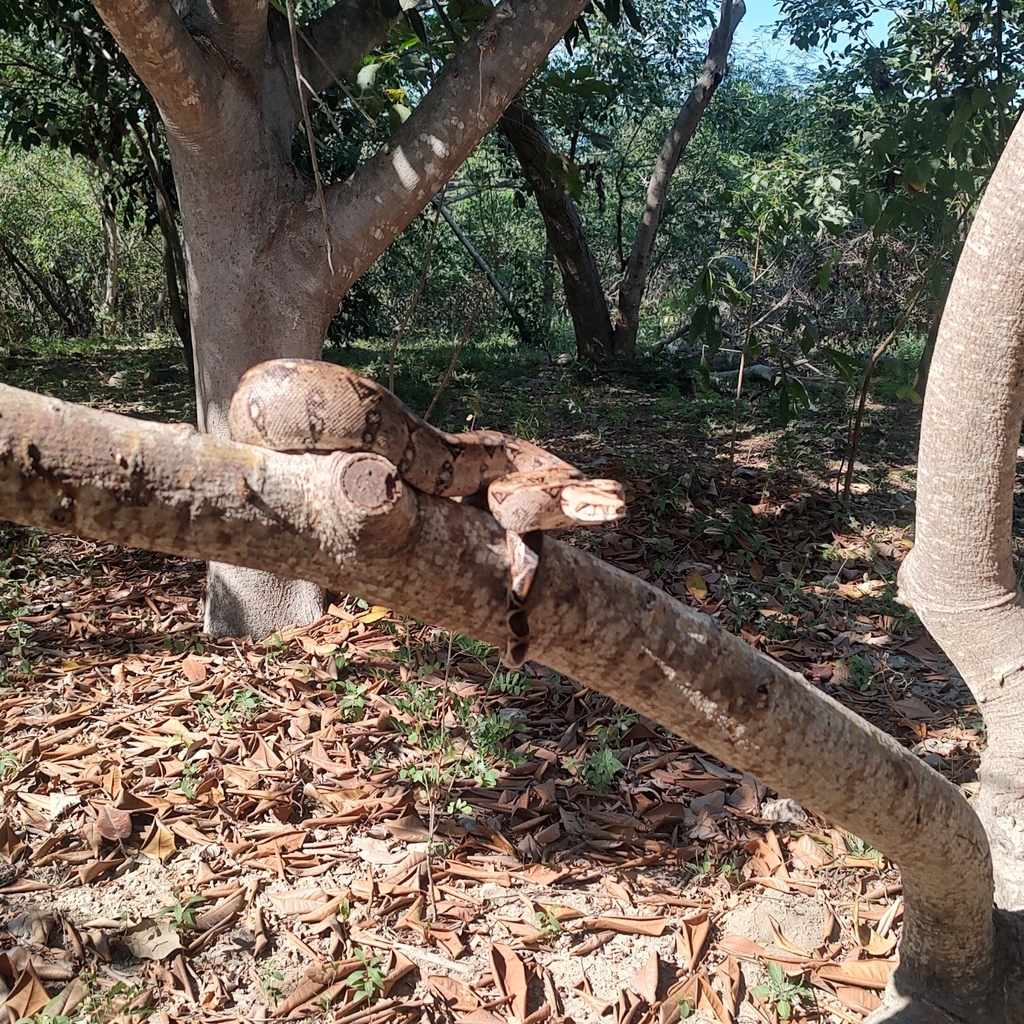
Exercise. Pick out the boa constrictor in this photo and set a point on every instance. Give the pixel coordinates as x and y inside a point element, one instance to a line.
<point>303,405</point>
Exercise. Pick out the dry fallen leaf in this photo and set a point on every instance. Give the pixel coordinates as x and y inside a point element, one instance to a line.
<point>160,844</point>
<point>872,974</point>
<point>783,943</point>
<point>25,996</point>
<point>874,943</point>
<point>113,824</point>
<point>807,855</point>
<point>690,940</point>
<point>627,925</point>
<point>645,984</point>
<point>696,586</point>
<point>378,611</point>
<point>193,669</point>
<point>151,939</point>
<point>510,977</point>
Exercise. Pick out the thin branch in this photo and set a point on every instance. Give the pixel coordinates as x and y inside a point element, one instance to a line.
<point>411,311</point>
<point>337,40</point>
<point>455,356</point>
<point>506,300</point>
<point>301,84</point>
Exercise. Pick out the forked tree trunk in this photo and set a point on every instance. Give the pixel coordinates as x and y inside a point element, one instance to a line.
<point>634,278</point>
<point>265,273</point>
<point>959,577</point>
<point>566,236</point>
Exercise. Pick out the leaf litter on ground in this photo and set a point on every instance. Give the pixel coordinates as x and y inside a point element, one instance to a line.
<point>365,820</point>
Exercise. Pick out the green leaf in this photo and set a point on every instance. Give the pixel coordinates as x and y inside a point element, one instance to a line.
<point>367,76</point>
<point>871,208</point>
<point>414,19</point>
<point>784,1009</point>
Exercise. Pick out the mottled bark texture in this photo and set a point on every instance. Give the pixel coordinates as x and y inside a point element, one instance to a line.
<point>567,238</point>
<point>348,523</point>
<point>638,266</point>
<point>959,578</point>
<point>259,279</point>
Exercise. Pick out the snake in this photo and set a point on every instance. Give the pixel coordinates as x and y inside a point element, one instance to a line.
<point>307,405</point>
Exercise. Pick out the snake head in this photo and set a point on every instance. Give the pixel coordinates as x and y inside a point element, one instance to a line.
<point>594,501</point>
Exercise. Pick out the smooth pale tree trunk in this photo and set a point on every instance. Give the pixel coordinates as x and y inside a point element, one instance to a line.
<point>348,522</point>
<point>959,577</point>
<point>566,236</point>
<point>265,274</point>
<point>634,278</point>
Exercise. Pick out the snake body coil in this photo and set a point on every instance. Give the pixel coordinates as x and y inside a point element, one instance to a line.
<point>303,405</point>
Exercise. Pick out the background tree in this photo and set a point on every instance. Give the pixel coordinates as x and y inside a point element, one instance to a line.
<point>63,86</point>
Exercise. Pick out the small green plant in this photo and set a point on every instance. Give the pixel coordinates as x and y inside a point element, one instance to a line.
<point>685,1009</point>
<point>513,683</point>
<point>781,993</point>
<point>547,923</point>
<point>184,643</point>
<point>368,980</point>
<point>351,698</point>
<point>474,648</point>
<point>272,982</point>
<point>861,848</point>
<point>245,703</point>
<point>861,672</point>
<point>488,732</point>
<point>10,763</point>
<point>188,784</point>
<point>600,768</point>
<point>182,914</point>
<point>274,649</point>
<point>17,635</point>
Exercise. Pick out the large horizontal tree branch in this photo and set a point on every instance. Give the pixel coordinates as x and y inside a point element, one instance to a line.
<point>167,59</point>
<point>374,206</point>
<point>347,523</point>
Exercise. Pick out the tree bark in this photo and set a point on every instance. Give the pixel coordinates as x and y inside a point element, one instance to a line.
<point>111,253</point>
<point>634,279</point>
<point>347,522</point>
<point>567,238</point>
<point>259,280</point>
<point>959,578</point>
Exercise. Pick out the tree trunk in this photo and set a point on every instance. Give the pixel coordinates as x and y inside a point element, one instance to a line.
<point>173,490</point>
<point>566,236</point>
<point>269,255</point>
<point>924,364</point>
<point>111,252</point>
<point>251,297</point>
<point>634,279</point>
<point>959,578</point>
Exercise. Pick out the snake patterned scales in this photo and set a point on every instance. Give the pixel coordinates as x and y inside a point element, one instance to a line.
<point>304,405</point>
